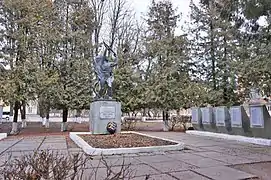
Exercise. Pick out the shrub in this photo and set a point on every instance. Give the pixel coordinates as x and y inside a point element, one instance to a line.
<point>129,123</point>
<point>176,121</point>
<point>49,165</point>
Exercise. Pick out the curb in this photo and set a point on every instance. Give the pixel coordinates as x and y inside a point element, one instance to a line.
<point>3,136</point>
<point>99,151</point>
<point>258,141</point>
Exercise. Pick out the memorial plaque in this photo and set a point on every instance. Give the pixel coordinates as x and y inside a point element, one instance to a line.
<point>206,115</point>
<point>107,112</point>
<point>220,115</point>
<point>256,116</point>
<point>236,116</point>
<point>196,115</point>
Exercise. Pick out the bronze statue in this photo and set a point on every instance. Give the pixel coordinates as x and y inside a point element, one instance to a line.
<point>104,73</point>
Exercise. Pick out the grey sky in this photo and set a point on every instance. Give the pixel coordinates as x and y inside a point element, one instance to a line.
<point>141,6</point>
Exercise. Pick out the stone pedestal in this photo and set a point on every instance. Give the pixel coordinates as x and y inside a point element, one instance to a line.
<point>101,113</point>
<point>260,122</point>
<point>240,121</point>
<point>222,120</point>
<point>197,118</point>
<point>208,119</point>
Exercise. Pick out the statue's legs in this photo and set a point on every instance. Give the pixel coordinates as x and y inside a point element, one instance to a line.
<point>102,84</point>
<point>97,89</point>
<point>109,83</point>
<point>110,92</point>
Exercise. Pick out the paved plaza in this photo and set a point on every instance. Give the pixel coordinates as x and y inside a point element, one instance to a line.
<point>204,158</point>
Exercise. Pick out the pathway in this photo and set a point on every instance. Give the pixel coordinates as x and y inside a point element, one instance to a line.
<point>205,158</point>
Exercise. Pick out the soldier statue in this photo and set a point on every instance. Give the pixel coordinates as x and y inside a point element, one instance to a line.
<point>104,73</point>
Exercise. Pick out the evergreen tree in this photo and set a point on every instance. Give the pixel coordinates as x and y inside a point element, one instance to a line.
<point>167,71</point>
<point>20,20</point>
<point>213,42</point>
<point>73,88</point>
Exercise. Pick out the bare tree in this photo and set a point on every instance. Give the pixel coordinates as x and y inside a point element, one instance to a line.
<point>124,28</point>
<point>99,9</point>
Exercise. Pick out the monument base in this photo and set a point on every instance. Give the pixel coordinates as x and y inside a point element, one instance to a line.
<point>197,119</point>
<point>261,133</point>
<point>198,127</point>
<point>240,121</point>
<point>260,123</point>
<point>102,112</point>
<point>224,130</point>
<point>210,127</point>
<point>240,131</point>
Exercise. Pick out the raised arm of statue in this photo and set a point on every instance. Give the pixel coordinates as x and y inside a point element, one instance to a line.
<point>115,63</point>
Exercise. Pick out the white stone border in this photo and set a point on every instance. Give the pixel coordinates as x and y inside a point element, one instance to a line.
<point>99,151</point>
<point>3,135</point>
<point>259,141</point>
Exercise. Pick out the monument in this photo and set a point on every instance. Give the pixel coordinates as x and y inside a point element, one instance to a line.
<point>208,119</point>
<point>222,119</point>
<point>197,118</point>
<point>240,121</point>
<point>105,112</point>
<point>260,122</point>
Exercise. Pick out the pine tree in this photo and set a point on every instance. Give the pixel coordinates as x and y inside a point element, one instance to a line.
<point>20,20</point>
<point>213,43</point>
<point>73,88</point>
<point>167,71</point>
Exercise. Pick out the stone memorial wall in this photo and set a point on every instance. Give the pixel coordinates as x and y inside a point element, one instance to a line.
<point>222,119</point>
<point>208,119</point>
<point>256,116</point>
<point>221,116</point>
<point>236,116</point>
<point>260,122</point>
<point>240,121</point>
<point>207,115</point>
<point>234,120</point>
<point>197,118</point>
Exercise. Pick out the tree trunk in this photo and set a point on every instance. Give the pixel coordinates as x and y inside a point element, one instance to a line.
<point>11,112</point>
<point>213,50</point>
<point>47,113</point>
<point>167,116</point>
<point>226,93</point>
<point>14,129</point>
<point>144,112</point>
<point>41,111</point>
<point>47,119</point>
<point>165,121</point>
<point>78,116</point>
<point>16,111</point>
<point>64,119</point>
<point>23,114</point>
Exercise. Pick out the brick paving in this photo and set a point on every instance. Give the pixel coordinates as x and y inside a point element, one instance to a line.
<point>204,158</point>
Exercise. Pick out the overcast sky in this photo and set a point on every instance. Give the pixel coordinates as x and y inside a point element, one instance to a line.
<point>141,6</point>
